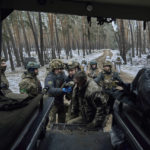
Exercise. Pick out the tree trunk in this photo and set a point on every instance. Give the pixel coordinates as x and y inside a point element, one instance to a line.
<point>6,42</point>
<point>50,17</point>
<point>13,44</point>
<point>83,38</point>
<point>41,39</point>
<point>140,40</point>
<point>57,37</point>
<point>27,48</point>
<point>10,56</point>
<point>123,41</point>
<point>35,37</point>
<point>89,39</point>
<point>18,38</point>
<point>132,39</point>
<point>137,39</point>
<point>144,42</point>
<point>5,51</point>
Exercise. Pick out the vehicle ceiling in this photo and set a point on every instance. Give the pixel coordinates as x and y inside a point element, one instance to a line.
<point>123,9</point>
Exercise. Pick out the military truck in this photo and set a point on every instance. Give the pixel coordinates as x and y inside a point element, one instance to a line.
<point>105,11</point>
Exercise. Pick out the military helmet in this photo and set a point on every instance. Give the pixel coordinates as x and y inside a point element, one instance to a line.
<point>32,65</point>
<point>84,62</point>
<point>71,65</point>
<point>56,64</point>
<point>77,64</point>
<point>93,62</point>
<point>107,63</point>
<point>3,59</point>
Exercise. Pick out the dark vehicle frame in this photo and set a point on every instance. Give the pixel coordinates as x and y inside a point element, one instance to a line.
<point>102,9</point>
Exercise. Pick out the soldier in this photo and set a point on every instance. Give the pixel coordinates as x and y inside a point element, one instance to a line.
<point>88,103</point>
<point>71,68</point>
<point>53,83</point>
<point>109,80</point>
<point>30,84</point>
<point>84,65</point>
<point>93,70</point>
<point>4,87</point>
<point>78,67</point>
<point>118,61</point>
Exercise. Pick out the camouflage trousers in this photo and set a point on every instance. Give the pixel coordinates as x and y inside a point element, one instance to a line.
<point>77,120</point>
<point>59,110</point>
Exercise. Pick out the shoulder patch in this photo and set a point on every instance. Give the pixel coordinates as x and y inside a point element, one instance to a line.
<point>50,82</point>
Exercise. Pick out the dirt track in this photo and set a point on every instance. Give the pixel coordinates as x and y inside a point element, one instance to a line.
<point>126,77</point>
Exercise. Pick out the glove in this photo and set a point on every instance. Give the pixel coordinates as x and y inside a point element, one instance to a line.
<point>67,90</point>
<point>44,91</point>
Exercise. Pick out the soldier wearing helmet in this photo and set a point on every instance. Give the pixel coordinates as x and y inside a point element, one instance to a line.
<point>84,65</point>
<point>88,102</point>
<point>77,66</point>
<point>53,82</point>
<point>108,79</point>
<point>4,85</point>
<point>118,61</point>
<point>93,69</point>
<point>71,68</point>
<point>30,84</point>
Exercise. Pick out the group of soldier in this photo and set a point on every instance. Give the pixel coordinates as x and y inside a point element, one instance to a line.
<point>89,92</point>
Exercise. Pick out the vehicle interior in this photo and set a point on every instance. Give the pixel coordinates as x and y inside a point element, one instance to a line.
<point>101,9</point>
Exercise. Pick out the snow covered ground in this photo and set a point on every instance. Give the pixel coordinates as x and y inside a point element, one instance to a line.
<point>138,63</point>
<point>15,77</point>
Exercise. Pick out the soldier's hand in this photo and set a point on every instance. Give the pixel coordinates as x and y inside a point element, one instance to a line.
<point>67,90</point>
<point>45,89</point>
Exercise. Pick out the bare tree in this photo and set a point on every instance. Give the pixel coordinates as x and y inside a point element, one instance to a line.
<point>13,44</point>
<point>132,39</point>
<point>41,39</point>
<point>50,17</point>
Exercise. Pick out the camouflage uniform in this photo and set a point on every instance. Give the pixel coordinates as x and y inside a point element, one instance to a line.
<point>30,84</point>
<point>84,65</point>
<point>54,84</point>
<point>70,83</point>
<point>109,81</point>
<point>93,72</point>
<point>4,87</point>
<point>88,105</point>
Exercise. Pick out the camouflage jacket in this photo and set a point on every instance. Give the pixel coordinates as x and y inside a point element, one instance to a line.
<point>93,73</point>
<point>4,87</point>
<point>109,81</point>
<point>30,84</point>
<point>89,102</point>
<point>54,84</point>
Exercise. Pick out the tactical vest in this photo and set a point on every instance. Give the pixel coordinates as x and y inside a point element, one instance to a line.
<point>93,73</point>
<point>108,81</point>
<point>31,84</point>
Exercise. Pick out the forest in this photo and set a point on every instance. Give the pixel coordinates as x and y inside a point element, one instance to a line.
<point>49,34</point>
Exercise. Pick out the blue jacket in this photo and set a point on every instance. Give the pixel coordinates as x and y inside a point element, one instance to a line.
<point>53,83</point>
